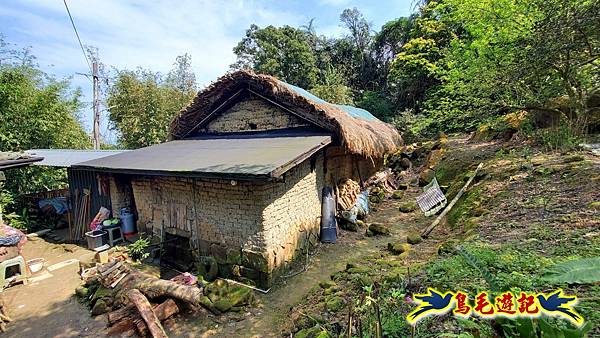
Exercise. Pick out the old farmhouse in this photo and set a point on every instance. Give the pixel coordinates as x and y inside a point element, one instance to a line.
<point>241,176</point>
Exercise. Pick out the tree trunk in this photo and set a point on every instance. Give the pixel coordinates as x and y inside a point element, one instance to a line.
<point>155,287</point>
<point>141,303</point>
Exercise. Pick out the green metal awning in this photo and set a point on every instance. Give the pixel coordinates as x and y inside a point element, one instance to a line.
<point>261,156</point>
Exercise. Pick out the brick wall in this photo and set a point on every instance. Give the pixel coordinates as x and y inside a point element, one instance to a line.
<point>292,213</point>
<point>253,114</point>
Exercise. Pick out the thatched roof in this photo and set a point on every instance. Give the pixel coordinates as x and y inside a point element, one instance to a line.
<point>357,130</point>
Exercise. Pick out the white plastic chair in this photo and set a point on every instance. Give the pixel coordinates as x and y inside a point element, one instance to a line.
<point>432,199</point>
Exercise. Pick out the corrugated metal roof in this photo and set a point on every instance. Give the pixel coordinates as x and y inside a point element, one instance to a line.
<point>357,113</point>
<point>250,156</point>
<point>65,158</point>
<point>11,160</point>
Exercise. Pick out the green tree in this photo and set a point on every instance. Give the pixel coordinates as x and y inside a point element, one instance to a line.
<point>143,103</point>
<point>36,111</point>
<point>284,52</point>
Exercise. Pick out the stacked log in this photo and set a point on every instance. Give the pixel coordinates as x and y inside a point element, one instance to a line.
<point>132,291</point>
<point>347,193</point>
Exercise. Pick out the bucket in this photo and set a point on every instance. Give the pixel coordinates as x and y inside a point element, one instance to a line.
<point>328,221</point>
<point>128,222</point>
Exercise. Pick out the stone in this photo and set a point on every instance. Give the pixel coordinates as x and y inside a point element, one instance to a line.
<point>255,260</point>
<point>408,207</point>
<point>358,269</point>
<point>223,305</point>
<point>413,238</point>
<point>448,247</point>
<point>426,176</point>
<point>327,284</point>
<point>402,186</point>
<point>82,292</point>
<point>405,163</point>
<point>99,308</point>
<point>379,229</point>
<point>398,194</point>
<point>102,292</point>
<point>398,248</point>
<point>313,332</point>
<point>346,225</point>
<point>362,280</point>
<point>334,303</point>
<point>360,223</point>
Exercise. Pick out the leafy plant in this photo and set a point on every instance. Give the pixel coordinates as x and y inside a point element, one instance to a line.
<point>137,250</point>
<point>578,271</point>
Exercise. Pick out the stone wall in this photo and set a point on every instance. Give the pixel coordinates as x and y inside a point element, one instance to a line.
<point>253,114</point>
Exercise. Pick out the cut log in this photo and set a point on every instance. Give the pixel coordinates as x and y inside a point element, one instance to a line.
<point>126,321</point>
<point>145,309</point>
<point>154,287</point>
<point>163,311</point>
<point>117,315</point>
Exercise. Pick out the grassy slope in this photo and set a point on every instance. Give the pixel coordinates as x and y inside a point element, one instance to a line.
<point>527,211</point>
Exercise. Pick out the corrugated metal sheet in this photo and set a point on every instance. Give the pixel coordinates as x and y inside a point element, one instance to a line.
<point>79,180</point>
<point>65,158</point>
<point>216,156</point>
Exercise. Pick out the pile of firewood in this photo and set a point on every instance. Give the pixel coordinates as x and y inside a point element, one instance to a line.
<point>132,293</point>
<point>347,192</point>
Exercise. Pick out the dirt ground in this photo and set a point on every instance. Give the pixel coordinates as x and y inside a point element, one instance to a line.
<point>46,306</point>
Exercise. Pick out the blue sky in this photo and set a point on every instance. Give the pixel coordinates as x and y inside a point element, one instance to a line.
<point>152,33</point>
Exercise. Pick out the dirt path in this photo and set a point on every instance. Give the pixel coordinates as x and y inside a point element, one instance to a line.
<point>46,307</point>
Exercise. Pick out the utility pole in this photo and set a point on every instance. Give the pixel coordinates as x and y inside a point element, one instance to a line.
<point>96,106</point>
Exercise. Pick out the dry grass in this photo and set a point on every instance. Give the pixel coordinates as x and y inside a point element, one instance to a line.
<point>370,138</point>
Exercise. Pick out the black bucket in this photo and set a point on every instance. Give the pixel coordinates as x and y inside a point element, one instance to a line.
<point>328,221</point>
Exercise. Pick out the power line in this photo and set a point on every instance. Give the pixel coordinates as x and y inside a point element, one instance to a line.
<point>77,34</point>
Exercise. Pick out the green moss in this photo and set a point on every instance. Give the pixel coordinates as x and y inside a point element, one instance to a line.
<point>408,207</point>
<point>413,238</point>
<point>334,303</point>
<point>398,248</point>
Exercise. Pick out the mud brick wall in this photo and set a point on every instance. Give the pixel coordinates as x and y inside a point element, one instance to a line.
<point>340,165</point>
<point>253,114</point>
<point>121,194</point>
<point>292,213</point>
<point>206,211</point>
<point>251,229</point>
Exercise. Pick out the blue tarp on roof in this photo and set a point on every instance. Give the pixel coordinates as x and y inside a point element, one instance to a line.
<point>357,113</point>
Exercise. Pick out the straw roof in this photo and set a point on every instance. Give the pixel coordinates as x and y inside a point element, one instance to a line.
<point>357,130</point>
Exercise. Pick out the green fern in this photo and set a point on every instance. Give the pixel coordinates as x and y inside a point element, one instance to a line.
<point>474,262</point>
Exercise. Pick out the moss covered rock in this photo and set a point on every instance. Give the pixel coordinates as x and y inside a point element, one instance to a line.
<point>313,332</point>
<point>408,207</point>
<point>82,292</point>
<point>398,248</point>
<point>327,284</point>
<point>334,303</point>
<point>398,194</point>
<point>413,238</point>
<point>223,305</point>
<point>426,176</point>
<point>448,247</point>
<point>100,307</point>
<point>379,229</point>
